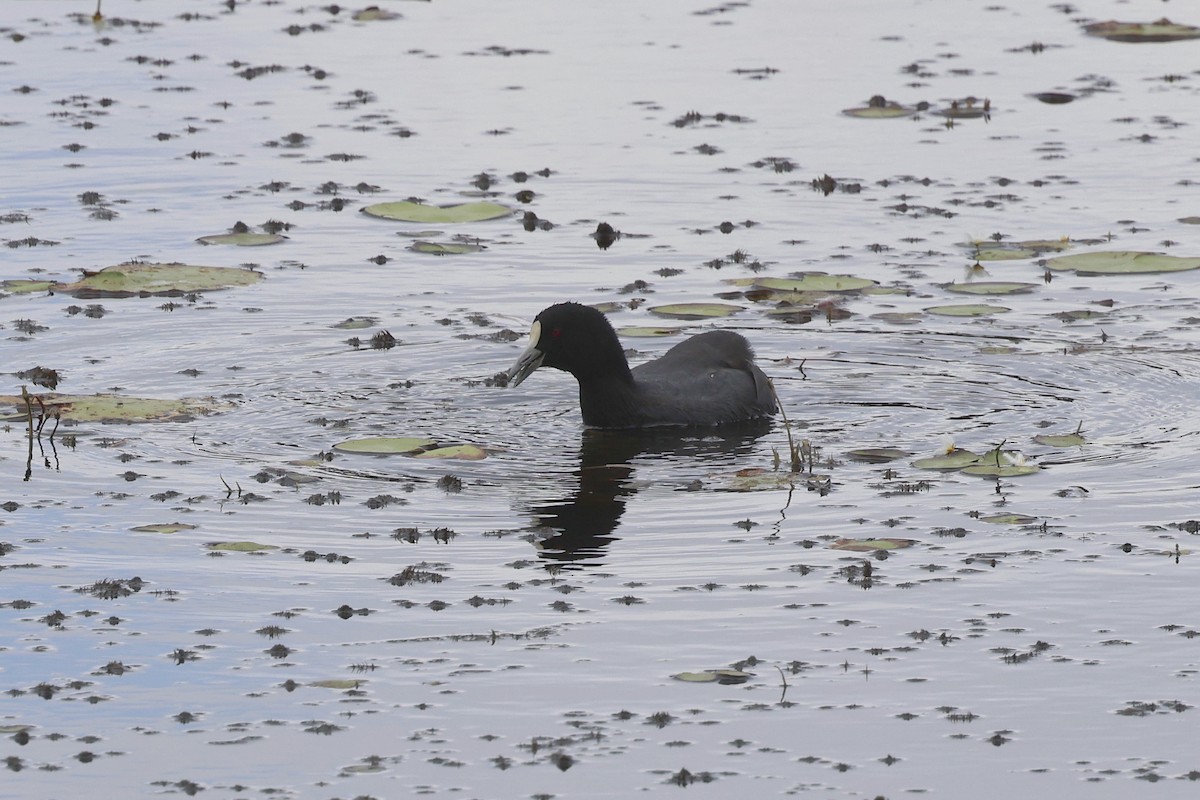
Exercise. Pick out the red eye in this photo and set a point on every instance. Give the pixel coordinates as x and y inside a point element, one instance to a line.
<point>556,332</point>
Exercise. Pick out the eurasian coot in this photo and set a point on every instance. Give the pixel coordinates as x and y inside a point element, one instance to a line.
<point>709,379</point>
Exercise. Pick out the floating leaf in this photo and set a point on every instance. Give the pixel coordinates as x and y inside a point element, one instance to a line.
<point>244,239</point>
<point>955,459</point>
<point>125,280</point>
<point>339,683</point>
<point>1061,440</point>
<point>1002,254</point>
<point>899,317</point>
<point>757,479</point>
<point>113,408</point>
<point>25,286</point>
<point>240,547</point>
<point>696,310</point>
<point>357,323</point>
<point>725,677</point>
<point>990,287</point>
<point>384,445</point>
<point>880,107</point>
<point>993,470</point>
<point>878,455</point>
<point>445,248</point>
<point>867,545</point>
<point>408,211</point>
<point>1162,30</point>
<point>164,527</point>
<point>1009,519</point>
<point>967,108</point>
<point>1122,263</point>
<point>459,452</point>
<point>816,282</point>
<point>967,310</point>
<point>647,331</point>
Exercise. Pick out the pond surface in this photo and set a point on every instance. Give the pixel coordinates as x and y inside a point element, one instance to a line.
<point>513,626</point>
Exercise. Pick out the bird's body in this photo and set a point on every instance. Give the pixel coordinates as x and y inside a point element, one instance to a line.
<point>709,379</point>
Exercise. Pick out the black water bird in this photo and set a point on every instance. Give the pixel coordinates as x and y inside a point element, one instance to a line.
<point>709,379</point>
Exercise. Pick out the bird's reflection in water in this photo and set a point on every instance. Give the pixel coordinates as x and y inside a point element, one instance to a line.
<point>578,529</point>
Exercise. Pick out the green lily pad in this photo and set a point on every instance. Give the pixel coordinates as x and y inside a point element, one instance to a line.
<point>955,459</point>
<point>878,455</point>
<point>899,317</point>
<point>696,310</point>
<point>757,479</point>
<point>1162,30</point>
<point>1009,519</point>
<point>636,331</point>
<point>240,547</point>
<point>880,108</point>
<point>408,211</point>
<point>990,287</point>
<point>993,470</point>
<point>968,108</point>
<point>136,278</point>
<point>112,408</point>
<point>384,445</point>
<point>164,527</point>
<point>725,677</point>
<point>816,282</point>
<point>445,248</point>
<point>357,323</point>
<point>1002,254</point>
<point>246,239</point>
<point>967,310</point>
<point>374,14</point>
<point>458,452</point>
<point>339,683</point>
<point>868,545</point>
<point>1122,262</point>
<point>25,286</point>
<point>1061,440</point>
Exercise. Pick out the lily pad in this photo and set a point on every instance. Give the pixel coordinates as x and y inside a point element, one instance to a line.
<point>955,459</point>
<point>458,452</point>
<point>1061,440</point>
<point>339,683</point>
<point>967,310</point>
<point>357,323</point>
<point>994,470</point>
<point>408,211</point>
<point>1122,262</point>
<point>816,282</point>
<point>240,547</point>
<point>113,408</point>
<point>899,317</point>
<point>445,248</point>
<point>990,287</point>
<point>384,445</point>
<point>164,527</point>
<point>696,310</point>
<point>1162,30</point>
<point>725,677</point>
<point>757,479</point>
<point>868,545</point>
<point>137,278</point>
<point>636,331</point>
<point>25,286</point>
<point>245,239</point>
<point>1009,519</point>
<point>879,107</point>
<point>878,455</point>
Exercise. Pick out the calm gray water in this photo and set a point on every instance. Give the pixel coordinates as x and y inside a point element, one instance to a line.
<point>1055,656</point>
